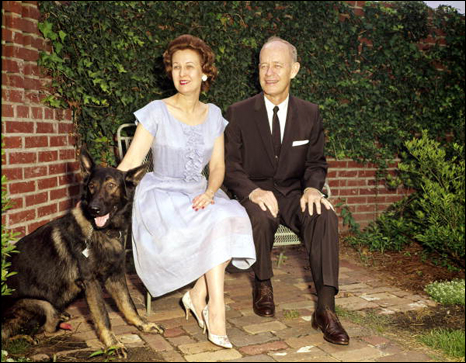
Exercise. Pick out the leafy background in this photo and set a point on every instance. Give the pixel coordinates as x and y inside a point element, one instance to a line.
<point>375,84</point>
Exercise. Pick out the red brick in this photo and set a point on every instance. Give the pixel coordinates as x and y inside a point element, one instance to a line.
<point>13,142</point>
<point>48,113</point>
<point>22,127</point>
<point>30,12</point>
<point>22,158</point>
<point>346,192</point>
<point>16,203</point>
<point>48,156</point>
<point>22,187</point>
<point>47,210</point>
<point>33,97</point>
<point>356,182</point>
<point>12,6</point>
<point>36,141</point>
<point>13,80</point>
<point>64,128</point>
<point>46,128</point>
<point>347,173</point>
<point>29,26</point>
<point>12,21</point>
<point>47,183</point>
<point>58,193</point>
<point>15,96</point>
<point>13,173</point>
<point>32,83</point>
<point>22,111</point>
<point>31,69</point>
<point>57,169</point>
<point>33,226</point>
<point>21,231</point>
<point>58,141</point>
<point>36,199</point>
<point>35,172</point>
<point>7,35</point>
<point>66,205</point>
<point>7,110</point>
<point>21,217</point>
<point>366,173</point>
<point>10,66</point>
<point>67,154</point>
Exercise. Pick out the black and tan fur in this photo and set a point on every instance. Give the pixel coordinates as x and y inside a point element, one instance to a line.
<point>52,269</point>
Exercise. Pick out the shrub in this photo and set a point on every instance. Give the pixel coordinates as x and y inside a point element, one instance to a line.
<point>447,292</point>
<point>434,215</point>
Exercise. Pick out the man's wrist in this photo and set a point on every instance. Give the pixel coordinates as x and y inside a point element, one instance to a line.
<point>250,194</point>
<point>308,188</point>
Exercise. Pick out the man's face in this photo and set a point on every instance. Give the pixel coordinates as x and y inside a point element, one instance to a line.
<point>276,69</point>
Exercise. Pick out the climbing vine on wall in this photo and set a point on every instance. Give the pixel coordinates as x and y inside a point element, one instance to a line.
<point>375,82</point>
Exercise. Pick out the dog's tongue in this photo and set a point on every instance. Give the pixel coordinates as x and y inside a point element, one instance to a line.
<point>100,221</point>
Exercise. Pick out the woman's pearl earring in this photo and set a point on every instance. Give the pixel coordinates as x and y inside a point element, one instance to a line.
<point>204,78</point>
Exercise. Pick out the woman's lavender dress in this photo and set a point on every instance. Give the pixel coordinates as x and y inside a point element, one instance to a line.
<point>173,244</point>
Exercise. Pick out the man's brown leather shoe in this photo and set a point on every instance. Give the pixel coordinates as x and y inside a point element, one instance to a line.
<point>262,296</point>
<point>328,322</point>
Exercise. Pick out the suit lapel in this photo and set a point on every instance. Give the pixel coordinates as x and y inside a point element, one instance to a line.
<point>262,123</point>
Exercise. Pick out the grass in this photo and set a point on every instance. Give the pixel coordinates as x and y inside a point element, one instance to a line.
<point>450,342</point>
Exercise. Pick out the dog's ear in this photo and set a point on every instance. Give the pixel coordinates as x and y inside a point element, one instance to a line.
<point>87,164</point>
<point>135,175</point>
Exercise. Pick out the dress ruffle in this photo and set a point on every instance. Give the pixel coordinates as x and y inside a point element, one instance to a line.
<point>194,153</point>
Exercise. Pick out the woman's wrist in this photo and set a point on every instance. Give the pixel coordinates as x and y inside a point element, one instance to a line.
<point>210,193</point>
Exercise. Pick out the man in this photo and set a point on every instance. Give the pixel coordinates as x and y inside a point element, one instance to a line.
<point>275,165</point>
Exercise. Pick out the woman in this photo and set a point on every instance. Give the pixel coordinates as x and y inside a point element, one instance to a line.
<point>185,228</point>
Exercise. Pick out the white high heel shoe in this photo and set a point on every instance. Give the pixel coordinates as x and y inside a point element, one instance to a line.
<point>220,340</point>
<point>188,305</point>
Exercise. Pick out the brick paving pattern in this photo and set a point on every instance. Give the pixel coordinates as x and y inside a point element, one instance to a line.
<point>287,337</point>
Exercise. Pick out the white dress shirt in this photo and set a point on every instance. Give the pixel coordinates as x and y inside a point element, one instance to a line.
<point>282,112</point>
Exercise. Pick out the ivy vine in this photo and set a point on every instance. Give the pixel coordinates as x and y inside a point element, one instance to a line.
<point>376,85</point>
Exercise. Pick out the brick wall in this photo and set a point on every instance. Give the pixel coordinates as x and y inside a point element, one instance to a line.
<point>40,154</point>
<point>40,160</point>
<point>356,185</point>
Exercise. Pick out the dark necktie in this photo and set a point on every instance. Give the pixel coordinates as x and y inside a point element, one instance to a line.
<point>277,143</point>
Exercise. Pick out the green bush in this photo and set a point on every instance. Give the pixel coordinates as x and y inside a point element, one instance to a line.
<point>375,85</point>
<point>447,292</point>
<point>434,214</point>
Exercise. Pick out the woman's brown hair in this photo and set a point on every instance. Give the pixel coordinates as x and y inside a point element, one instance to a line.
<point>187,41</point>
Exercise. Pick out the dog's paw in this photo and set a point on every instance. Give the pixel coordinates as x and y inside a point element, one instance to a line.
<point>117,349</point>
<point>152,328</point>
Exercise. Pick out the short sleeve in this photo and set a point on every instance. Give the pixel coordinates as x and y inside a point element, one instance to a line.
<point>149,116</point>
<point>221,123</point>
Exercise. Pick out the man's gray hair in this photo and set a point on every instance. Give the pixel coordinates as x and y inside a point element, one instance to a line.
<point>291,47</point>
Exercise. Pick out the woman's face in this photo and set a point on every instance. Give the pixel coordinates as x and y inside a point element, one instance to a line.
<point>187,71</point>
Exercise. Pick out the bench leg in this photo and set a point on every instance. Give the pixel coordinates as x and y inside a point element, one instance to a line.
<point>148,303</point>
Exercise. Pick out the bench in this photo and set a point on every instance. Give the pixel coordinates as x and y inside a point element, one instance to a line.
<point>283,237</point>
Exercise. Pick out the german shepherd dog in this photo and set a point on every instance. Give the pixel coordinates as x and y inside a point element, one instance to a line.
<point>75,254</point>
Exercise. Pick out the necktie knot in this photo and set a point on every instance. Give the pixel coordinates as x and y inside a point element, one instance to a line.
<point>275,110</point>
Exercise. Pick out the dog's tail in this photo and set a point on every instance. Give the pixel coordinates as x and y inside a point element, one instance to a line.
<point>29,316</point>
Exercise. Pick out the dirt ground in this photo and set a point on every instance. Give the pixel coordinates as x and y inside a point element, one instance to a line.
<point>405,269</point>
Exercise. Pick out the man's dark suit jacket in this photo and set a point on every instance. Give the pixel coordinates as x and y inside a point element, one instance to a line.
<point>250,160</point>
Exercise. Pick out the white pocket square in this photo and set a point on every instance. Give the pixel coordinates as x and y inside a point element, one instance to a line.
<point>300,142</point>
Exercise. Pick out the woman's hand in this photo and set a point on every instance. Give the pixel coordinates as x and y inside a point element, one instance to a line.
<point>204,200</point>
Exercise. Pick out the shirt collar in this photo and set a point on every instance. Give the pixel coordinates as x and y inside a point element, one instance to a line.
<point>282,106</point>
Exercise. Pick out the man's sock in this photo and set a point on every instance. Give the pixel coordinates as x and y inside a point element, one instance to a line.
<point>326,298</point>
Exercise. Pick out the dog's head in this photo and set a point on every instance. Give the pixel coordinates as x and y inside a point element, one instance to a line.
<point>107,191</point>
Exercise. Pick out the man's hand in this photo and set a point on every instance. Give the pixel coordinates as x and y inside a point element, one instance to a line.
<point>266,200</point>
<point>312,196</point>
